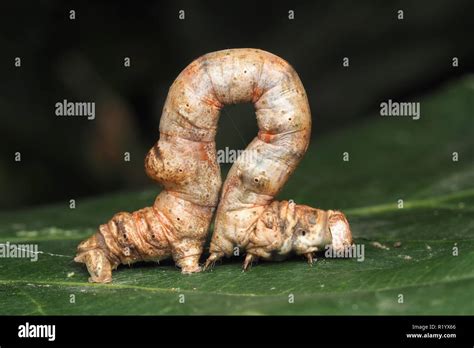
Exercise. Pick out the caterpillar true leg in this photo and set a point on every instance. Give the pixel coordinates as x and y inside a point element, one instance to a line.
<point>211,260</point>
<point>249,259</point>
<point>309,257</point>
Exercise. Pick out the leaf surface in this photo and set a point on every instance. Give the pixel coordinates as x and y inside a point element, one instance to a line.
<point>423,252</point>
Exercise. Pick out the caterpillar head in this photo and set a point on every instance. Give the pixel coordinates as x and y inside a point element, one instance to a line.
<point>309,233</point>
<point>339,229</point>
<point>315,229</point>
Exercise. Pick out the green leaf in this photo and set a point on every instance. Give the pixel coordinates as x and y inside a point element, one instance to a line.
<point>389,159</point>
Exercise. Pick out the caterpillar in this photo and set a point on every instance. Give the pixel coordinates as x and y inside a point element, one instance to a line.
<point>184,162</point>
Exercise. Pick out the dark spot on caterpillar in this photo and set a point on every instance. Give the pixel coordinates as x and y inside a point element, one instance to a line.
<point>303,233</point>
<point>153,236</point>
<point>101,241</point>
<point>178,219</point>
<point>255,179</point>
<point>180,170</point>
<point>103,246</point>
<point>156,151</point>
<point>268,221</point>
<point>125,235</point>
<point>289,119</point>
<point>245,71</point>
<point>283,225</point>
<point>121,227</point>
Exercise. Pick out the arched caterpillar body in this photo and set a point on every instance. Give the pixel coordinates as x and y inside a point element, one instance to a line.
<point>184,161</point>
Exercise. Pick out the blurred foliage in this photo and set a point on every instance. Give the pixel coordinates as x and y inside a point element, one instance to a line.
<point>390,159</point>
<point>82,60</point>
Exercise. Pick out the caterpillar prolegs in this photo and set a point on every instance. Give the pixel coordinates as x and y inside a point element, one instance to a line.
<point>148,234</point>
<point>184,161</point>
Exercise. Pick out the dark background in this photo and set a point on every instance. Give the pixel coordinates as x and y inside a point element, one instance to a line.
<point>82,60</point>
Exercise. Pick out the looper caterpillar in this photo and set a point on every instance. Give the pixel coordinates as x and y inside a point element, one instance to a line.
<point>184,161</point>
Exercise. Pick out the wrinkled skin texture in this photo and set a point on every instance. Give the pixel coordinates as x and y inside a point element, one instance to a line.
<point>184,161</point>
<point>285,228</point>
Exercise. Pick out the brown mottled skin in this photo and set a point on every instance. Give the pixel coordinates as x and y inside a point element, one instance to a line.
<point>286,228</point>
<point>184,161</point>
